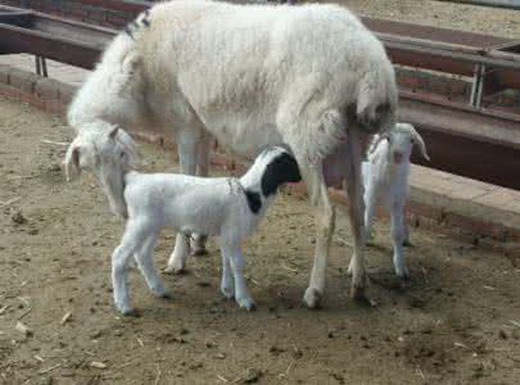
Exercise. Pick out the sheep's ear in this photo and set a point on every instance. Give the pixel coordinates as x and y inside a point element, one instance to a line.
<point>113,134</point>
<point>72,160</point>
<point>419,142</point>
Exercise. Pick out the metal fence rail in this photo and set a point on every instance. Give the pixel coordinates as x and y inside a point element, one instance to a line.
<point>464,138</point>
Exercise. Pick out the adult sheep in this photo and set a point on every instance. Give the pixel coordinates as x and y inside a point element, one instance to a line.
<point>311,77</point>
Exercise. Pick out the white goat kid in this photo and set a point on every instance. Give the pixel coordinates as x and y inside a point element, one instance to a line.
<point>385,177</point>
<point>312,77</point>
<point>228,207</point>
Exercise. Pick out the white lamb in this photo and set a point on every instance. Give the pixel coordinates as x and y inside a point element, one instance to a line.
<point>228,207</point>
<point>385,177</point>
<point>311,77</point>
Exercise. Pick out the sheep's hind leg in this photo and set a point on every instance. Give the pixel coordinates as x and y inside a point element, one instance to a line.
<point>356,208</point>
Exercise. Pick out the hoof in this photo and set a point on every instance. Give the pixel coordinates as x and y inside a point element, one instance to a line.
<point>358,294</point>
<point>312,298</point>
<point>199,251</point>
<point>164,293</point>
<point>404,280</point>
<point>128,311</point>
<point>247,304</point>
<point>174,270</point>
<point>228,293</point>
<point>403,273</point>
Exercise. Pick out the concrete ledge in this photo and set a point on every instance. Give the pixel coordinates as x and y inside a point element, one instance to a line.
<point>449,202</point>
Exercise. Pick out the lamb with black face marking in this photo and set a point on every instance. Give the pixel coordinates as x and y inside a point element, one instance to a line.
<point>228,207</point>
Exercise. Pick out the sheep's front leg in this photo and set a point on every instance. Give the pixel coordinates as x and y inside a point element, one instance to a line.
<point>398,238</point>
<point>177,261</point>
<point>324,215</point>
<point>356,208</point>
<point>233,253</point>
<point>144,260</point>
<point>194,160</point>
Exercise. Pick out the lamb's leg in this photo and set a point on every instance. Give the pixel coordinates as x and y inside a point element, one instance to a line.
<point>144,260</point>
<point>233,253</point>
<point>406,241</point>
<point>398,237</point>
<point>227,285</point>
<point>131,242</point>
<point>356,210</point>
<point>177,261</point>
<point>324,216</point>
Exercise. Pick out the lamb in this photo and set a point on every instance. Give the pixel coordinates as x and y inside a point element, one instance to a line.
<point>310,77</point>
<point>385,177</point>
<point>228,207</point>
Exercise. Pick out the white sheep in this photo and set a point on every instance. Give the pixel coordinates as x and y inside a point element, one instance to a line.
<point>230,208</point>
<point>311,77</point>
<point>385,175</point>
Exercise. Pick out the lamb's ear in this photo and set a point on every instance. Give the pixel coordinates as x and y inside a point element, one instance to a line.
<point>71,161</point>
<point>113,134</point>
<point>419,142</point>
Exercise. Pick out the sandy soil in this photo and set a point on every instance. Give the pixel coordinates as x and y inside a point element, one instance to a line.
<point>445,14</point>
<point>458,322</point>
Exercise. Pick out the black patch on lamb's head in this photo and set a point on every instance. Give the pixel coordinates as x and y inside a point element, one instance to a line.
<point>253,201</point>
<point>282,169</point>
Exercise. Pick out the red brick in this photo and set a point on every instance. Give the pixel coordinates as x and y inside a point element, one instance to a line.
<point>47,89</point>
<point>23,80</point>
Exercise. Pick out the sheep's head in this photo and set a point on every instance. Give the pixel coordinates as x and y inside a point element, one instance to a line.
<point>108,152</point>
<point>401,140</point>
<point>100,146</point>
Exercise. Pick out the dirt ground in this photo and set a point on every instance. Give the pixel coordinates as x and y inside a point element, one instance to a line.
<point>457,323</point>
<point>445,14</point>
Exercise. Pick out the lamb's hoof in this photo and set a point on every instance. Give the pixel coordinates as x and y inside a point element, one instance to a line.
<point>127,311</point>
<point>358,294</point>
<point>404,279</point>
<point>228,293</point>
<point>247,303</point>
<point>163,293</point>
<point>312,298</point>
<point>199,251</point>
<point>174,270</point>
